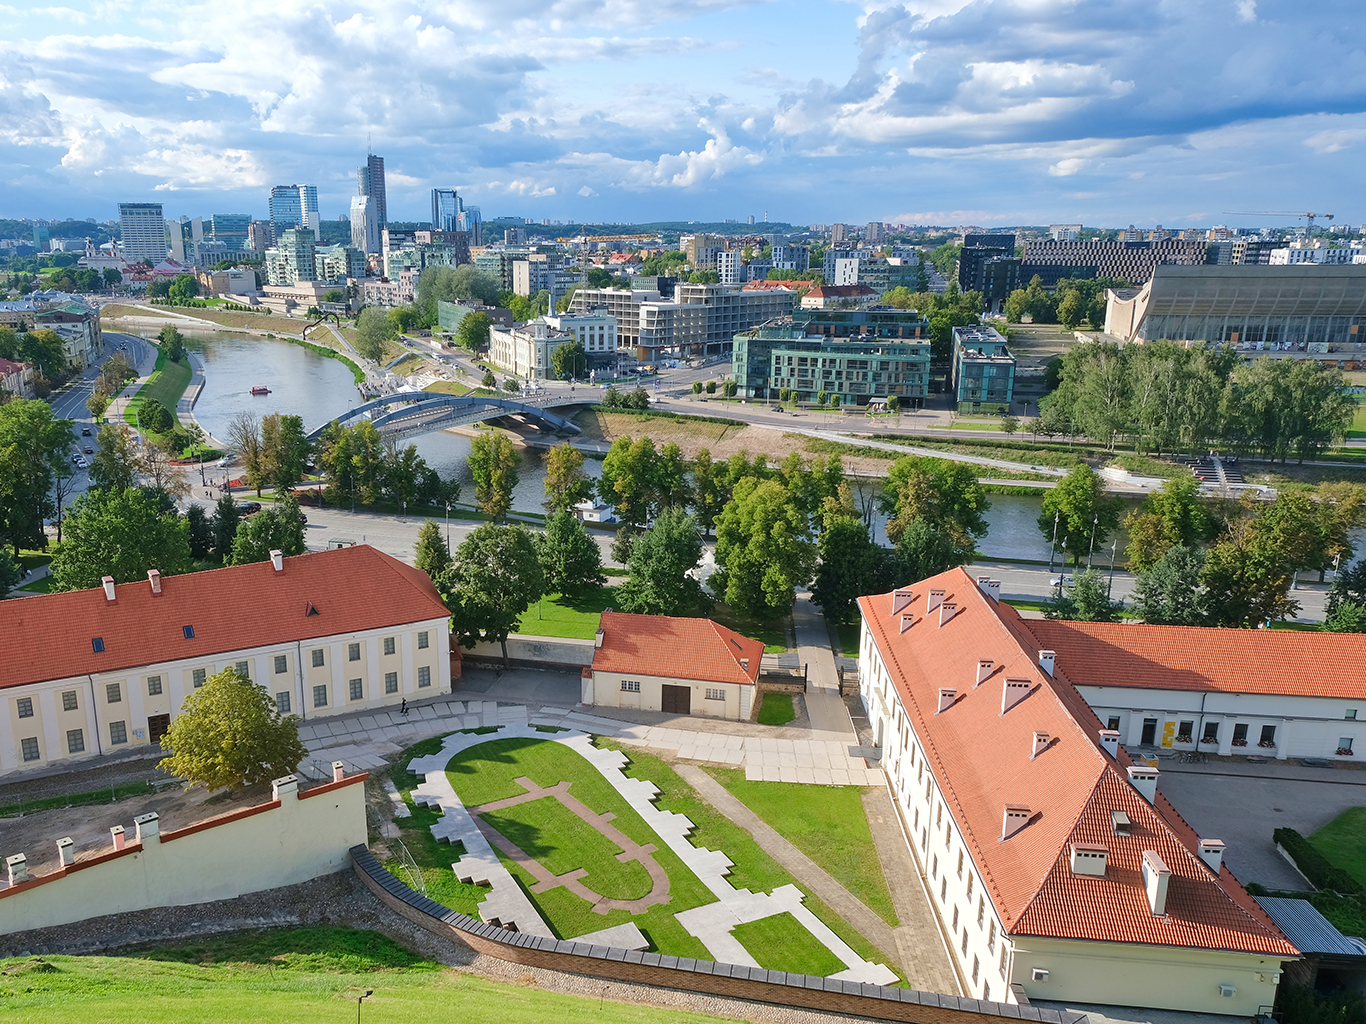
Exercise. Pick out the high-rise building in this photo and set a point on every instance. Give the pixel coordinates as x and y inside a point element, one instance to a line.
<point>370,182</point>
<point>230,228</point>
<point>261,235</point>
<point>293,260</point>
<point>728,266</point>
<point>294,206</point>
<point>365,232</point>
<point>472,223</point>
<point>873,232</point>
<point>836,233</point>
<point>445,210</point>
<point>143,232</point>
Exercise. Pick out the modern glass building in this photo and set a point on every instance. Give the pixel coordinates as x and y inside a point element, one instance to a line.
<point>445,210</point>
<point>230,228</point>
<point>294,206</point>
<point>983,370</point>
<point>370,182</point>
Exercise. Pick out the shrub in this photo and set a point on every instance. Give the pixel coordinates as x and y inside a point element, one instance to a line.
<point>1312,864</point>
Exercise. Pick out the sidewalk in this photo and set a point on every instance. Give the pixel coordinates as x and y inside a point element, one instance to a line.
<point>824,705</point>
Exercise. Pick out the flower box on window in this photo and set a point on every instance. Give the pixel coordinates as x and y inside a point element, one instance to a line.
<point>1211,741</point>
<point>1268,744</point>
<point>1240,743</point>
<point>1184,738</point>
<point>1344,751</point>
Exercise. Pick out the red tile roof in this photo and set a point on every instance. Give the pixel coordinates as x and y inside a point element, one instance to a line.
<point>840,291</point>
<point>678,648</point>
<point>981,759</point>
<point>244,606</point>
<point>1196,658</point>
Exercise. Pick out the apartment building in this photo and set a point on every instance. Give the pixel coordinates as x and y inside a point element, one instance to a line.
<point>983,370</point>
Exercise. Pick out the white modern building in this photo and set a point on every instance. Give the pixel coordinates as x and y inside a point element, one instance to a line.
<point>728,267</point>
<point>142,229</point>
<point>596,331</point>
<point>364,225</point>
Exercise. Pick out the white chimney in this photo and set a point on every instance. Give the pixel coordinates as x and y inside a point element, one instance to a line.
<point>18,868</point>
<point>116,834</point>
<point>338,771</point>
<point>906,622</point>
<point>154,578</point>
<point>1040,745</point>
<point>66,851</point>
<point>1144,780</point>
<point>1212,853</point>
<point>1046,660</point>
<point>286,785</point>
<point>148,826</point>
<point>108,582</point>
<point>1109,741</point>
<point>599,636</point>
<point>1015,818</point>
<point>900,599</point>
<point>947,610</point>
<point>984,668</point>
<point>994,590</point>
<point>1156,875</point>
<point>277,559</point>
<point>1088,859</point>
<point>1014,691</point>
<point>935,599</point>
<point>946,699</point>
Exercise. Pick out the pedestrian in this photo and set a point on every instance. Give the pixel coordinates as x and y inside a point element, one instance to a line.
<point>403,707</point>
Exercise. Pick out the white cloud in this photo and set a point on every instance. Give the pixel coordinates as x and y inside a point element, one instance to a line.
<point>585,191</point>
<point>1247,10</point>
<point>1071,165</point>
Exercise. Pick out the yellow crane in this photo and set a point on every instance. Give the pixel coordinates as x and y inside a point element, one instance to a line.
<point>1308,217</point>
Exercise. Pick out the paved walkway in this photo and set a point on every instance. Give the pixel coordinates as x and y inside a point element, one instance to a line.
<point>824,705</point>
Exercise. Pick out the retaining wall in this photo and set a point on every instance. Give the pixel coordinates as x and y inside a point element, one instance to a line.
<point>528,651</point>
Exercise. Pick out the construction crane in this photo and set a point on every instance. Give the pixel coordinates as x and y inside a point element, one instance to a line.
<point>1308,217</point>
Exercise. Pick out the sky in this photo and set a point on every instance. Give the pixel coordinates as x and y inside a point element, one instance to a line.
<point>990,112</point>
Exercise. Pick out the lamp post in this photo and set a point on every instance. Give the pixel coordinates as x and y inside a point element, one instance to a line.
<point>359,999</point>
<point>1091,550</point>
<point>448,525</point>
<point>1053,546</point>
<point>1110,588</point>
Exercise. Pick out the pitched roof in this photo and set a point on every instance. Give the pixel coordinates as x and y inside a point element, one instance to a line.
<point>244,606</point>
<point>981,759</point>
<point>679,648</point>
<point>1201,658</point>
<point>840,291</point>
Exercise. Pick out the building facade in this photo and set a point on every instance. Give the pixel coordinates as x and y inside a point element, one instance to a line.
<point>983,370</point>
<point>230,228</point>
<point>365,234</point>
<point>526,351</point>
<point>1052,260</point>
<point>370,183</point>
<point>142,231</point>
<point>445,210</point>
<point>294,206</point>
<point>595,331</point>
<point>293,260</point>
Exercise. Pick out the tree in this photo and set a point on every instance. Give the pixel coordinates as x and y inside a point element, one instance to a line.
<point>10,573</point>
<point>431,554</point>
<point>155,467</point>
<point>697,387</point>
<point>1009,423</point>
<point>511,386</point>
<point>661,563</point>
<point>154,417</point>
<point>494,579</point>
<point>570,558</point>
<point>112,277</point>
<point>1089,601</point>
<point>373,329</point>
<point>183,288</point>
<point>1084,511</point>
<point>352,460</point>
<point>225,521</point>
<point>45,351</point>
<point>850,564</point>
<point>566,484</point>
<point>704,277</point>
<point>229,734</point>
<point>942,494</point>
<point>1168,592</point>
<point>1174,516</point>
<point>33,451</point>
<point>119,533</point>
<point>489,380</point>
<point>244,441</point>
<point>199,531</point>
<point>284,450</point>
<point>172,341</point>
<point>569,361</point>
<point>1248,572</point>
<point>763,549</point>
<point>1347,617</point>
<point>711,387</point>
<point>493,464</point>
<point>63,486</point>
<point>273,529</point>
<point>473,333</point>
<point>894,405</point>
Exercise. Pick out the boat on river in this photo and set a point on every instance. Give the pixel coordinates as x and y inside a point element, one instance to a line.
<point>260,389</point>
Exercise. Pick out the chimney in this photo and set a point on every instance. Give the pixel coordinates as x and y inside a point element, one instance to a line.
<point>1046,660</point>
<point>947,610</point>
<point>1144,780</point>
<point>946,699</point>
<point>154,578</point>
<point>935,599</point>
<point>599,637</point>
<point>1015,818</point>
<point>900,599</point>
<point>990,587</point>
<point>338,771</point>
<point>1014,691</point>
<point>1040,745</point>
<point>906,622</point>
<point>1156,875</point>
<point>286,785</point>
<point>277,559</point>
<point>1089,859</point>
<point>1120,821</point>
<point>148,826</point>
<point>18,868</point>
<point>108,582</point>
<point>1109,741</point>
<point>116,834</point>
<point>66,851</point>
<point>985,667</point>
<point>1212,853</point>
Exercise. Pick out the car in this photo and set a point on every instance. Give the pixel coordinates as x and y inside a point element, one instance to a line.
<point>75,458</point>
<point>89,450</point>
<point>1063,581</point>
<point>85,432</point>
<point>248,508</point>
<point>82,464</point>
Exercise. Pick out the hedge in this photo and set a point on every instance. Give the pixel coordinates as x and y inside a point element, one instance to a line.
<point>1312,864</point>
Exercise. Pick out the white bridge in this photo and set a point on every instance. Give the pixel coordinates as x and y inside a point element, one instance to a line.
<point>410,413</point>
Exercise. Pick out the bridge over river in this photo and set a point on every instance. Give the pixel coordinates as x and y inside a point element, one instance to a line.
<point>410,413</point>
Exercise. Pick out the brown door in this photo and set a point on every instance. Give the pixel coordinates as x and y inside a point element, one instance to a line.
<point>157,727</point>
<point>676,699</point>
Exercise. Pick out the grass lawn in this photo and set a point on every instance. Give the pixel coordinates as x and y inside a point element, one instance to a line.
<point>39,586</point>
<point>1358,427</point>
<point>448,387</point>
<point>166,384</point>
<point>1145,465</point>
<point>772,633</point>
<point>780,943</point>
<point>114,310</point>
<point>776,709</point>
<point>1343,842</point>
<point>572,617</point>
<point>608,426</point>
<point>287,976</point>
<point>828,825</point>
<point>846,634</point>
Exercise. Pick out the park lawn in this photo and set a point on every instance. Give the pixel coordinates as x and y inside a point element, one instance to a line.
<point>828,825</point>
<point>115,310</point>
<point>780,943</point>
<point>772,633</point>
<point>166,384</point>
<point>288,976</point>
<point>776,709</point>
<point>573,617</point>
<point>1146,465</point>
<point>846,638</point>
<point>662,428</point>
<point>1358,427</point>
<point>448,387</point>
<point>38,586</point>
<point>1343,842</point>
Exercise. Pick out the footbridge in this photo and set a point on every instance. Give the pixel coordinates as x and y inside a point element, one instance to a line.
<point>410,413</point>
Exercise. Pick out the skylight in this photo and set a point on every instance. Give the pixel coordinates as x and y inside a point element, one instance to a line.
<point>189,632</point>
<point>98,644</point>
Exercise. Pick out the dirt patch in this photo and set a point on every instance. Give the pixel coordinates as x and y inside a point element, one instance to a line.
<point>113,311</point>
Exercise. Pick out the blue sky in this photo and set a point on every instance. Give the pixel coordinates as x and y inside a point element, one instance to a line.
<point>990,112</point>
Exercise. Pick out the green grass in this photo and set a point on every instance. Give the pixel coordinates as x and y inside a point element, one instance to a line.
<point>1343,842</point>
<point>101,796</point>
<point>33,559</point>
<point>1358,427</point>
<point>1146,465</point>
<point>828,825</point>
<point>38,586</point>
<point>776,709</point>
<point>166,384</point>
<point>772,633</point>
<point>846,634</point>
<point>570,616</point>
<point>781,943</point>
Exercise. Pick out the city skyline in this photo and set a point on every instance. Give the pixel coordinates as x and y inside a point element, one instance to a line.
<point>932,111</point>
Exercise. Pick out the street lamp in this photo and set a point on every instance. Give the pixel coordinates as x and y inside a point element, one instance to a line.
<point>359,999</point>
<point>1054,545</point>
<point>1094,523</point>
<point>1110,588</point>
<point>448,524</point>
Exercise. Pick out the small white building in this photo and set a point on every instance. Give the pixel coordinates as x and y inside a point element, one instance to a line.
<point>595,330</point>
<point>526,351</point>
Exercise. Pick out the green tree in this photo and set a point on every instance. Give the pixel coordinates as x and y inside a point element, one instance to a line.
<point>230,734</point>
<point>44,350</point>
<point>628,481</point>
<point>34,448</point>
<point>154,417</point>
<point>285,450</point>
<point>352,460</point>
<point>244,441</point>
<point>225,520</point>
<point>183,288</point>
<point>473,334</point>
<point>697,387</point>
<point>495,578</point>
<point>373,329</point>
<point>569,361</point>
<point>199,532</point>
<point>763,549</point>
<point>946,496</point>
<point>431,554</point>
<point>566,484</point>
<point>711,387</point>
<point>1174,516</point>
<point>660,564</point>
<point>709,489</point>
<point>273,529</point>
<point>1070,313</point>
<point>704,277</point>
<point>1089,600</point>
<point>10,573</point>
<point>172,343</point>
<point>1249,570</point>
<point>511,386</point>
<point>119,533</point>
<point>1009,423</point>
<point>1169,591</point>
<point>851,565</point>
<point>493,464</point>
<point>1347,617</point>
<point>570,558</point>
<point>1084,512</point>
<point>489,380</point>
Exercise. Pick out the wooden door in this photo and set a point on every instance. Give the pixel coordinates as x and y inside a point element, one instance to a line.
<point>676,699</point>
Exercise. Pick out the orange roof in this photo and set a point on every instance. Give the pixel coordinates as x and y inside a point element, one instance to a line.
<point>840,291</point>
<point>981,759</point>
<point>244,606</point>
<point>1200,658</point>
<point>679,648</point>
<point>766,286</point>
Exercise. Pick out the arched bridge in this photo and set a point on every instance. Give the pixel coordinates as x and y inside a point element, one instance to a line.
<point>410,413</point>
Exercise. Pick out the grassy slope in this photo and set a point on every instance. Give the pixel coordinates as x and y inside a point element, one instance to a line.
<point>166,384</point>
<point>787,946</point>
<point>1343,842</point>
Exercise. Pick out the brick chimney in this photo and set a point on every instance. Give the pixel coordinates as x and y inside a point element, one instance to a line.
<point>1016,817</point>
<point>985,666</point>
<point>1039,746</point>
<point>277,559</point>
<point>900,599</point>
<point>1156,875</point>
<point>154,578</point>
<point>1014,691</point>
<point>946,698</point>
<point>108,584</point>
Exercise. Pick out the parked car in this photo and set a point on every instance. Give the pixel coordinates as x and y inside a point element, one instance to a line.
<point>248,508</point>
<point>81,463</point>
<point>89,450</point>
<point>1063,581</point>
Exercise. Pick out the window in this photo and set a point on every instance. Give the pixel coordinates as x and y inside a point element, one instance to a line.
<point>153,686</point>
<point>1344,745</point>
<point>281,664</point>
<point>282,702</point>
<point>353,652</point>
<point>1240,735</point>
<point>991,937</point>
<point>939,816</point>
<point>29,746</point>
<point>955,919</point>
<point>716,694</point>
<point>188,631</point>
<point>971,877</point>
<point>1185,732</point>
<point>389,645</point>
<point>243,669</point>
<point>69,700</point>
<point>981,910</point>
<point>113,693</point>
<point>97,645</point>
<point>1268,736</point>
<point>976,968</point>
<point>391,682</point>
<point>318,658</point>
<point>630,686</point>
<point>944,889</point>
<point>320,696</point>
<point>1211,733</point>
<point>422,640</point>
<point>25,707</point>
<point>986,992</point>
<point>934,867</point>
<point>198,676</point>
<point>424,676</point>
<point>960,863</point>
<point>118,733</point>
<point>75,741</point>
<point>357,689</point>
<point>965,945</point>
<point>1004,947</point>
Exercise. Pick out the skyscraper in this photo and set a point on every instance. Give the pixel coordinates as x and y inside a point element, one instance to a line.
<point>294,206</point>
<point>143,232</point>
<point>365,234</point>
<point>445,210</point>
<point>472,223</point>
<point>370,182</point>
<point>230,228</point>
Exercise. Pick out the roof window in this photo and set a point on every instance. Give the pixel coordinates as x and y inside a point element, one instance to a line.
<point>98,644</point>
<point>189,632</point>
